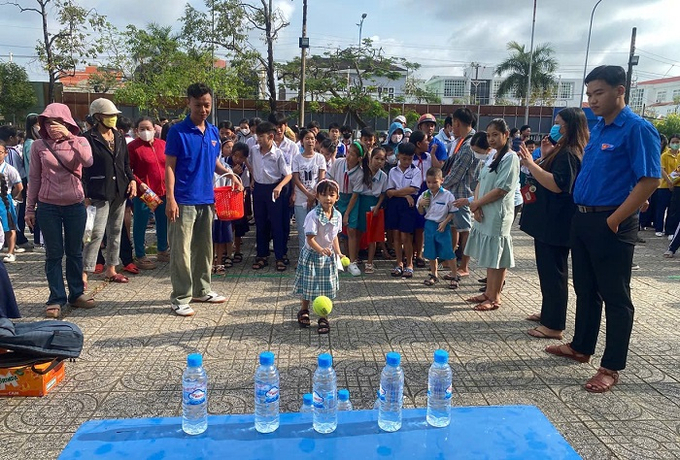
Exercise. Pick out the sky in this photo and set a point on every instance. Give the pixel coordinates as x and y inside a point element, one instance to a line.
<point>444,36</point>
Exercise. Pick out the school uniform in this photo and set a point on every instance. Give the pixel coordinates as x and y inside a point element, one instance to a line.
<point>438,245</point>
<point>290,151</point>
<point>317,274</point>
<point>268,170</point>
<point>399,214</point>
<point>369,196</point>
<point>423,162</point>
<point>222,229</point>
<point>617,156</point>
<point>350,181</point>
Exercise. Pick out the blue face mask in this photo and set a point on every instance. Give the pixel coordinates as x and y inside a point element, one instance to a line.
<point>555,133</point>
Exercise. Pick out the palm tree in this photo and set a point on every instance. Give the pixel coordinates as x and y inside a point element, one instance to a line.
<point>517,67</point>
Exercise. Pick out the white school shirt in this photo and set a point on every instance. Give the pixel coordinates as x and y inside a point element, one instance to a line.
<point>251,141</point>
<point>12,176</point>
<point>223,181</point>
<point>441,205</point>
<point>423,163</point>
<point>269,168</point>
<point>378,184</point>
<point>399,179</point>
<point>351,181</point>
<point>289,150</point>
<point>308,169</point>
<point>324,229</point>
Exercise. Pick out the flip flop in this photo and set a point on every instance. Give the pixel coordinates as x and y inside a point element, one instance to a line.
<point>478,298</point>
<point>536,332</point>
<point>117,278</point>
<point>84,301</point>
<point>487,305</point>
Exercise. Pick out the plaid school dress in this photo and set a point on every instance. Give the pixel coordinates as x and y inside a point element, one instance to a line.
<point>317,274</point>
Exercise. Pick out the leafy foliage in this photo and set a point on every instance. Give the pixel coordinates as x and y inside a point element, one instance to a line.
<point>669,125</point>
<point>16,93</point>
<point>516,66</point>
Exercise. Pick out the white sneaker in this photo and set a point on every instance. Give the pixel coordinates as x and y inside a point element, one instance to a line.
<point>40,248</point>
<point>211,297</point>
<point>183,310</point>
<point>659,233</point>
<point>19,250</point>
<point>668,255</point>
<point>9,258</point>
<point>670,237</point>
<point>353,269</point>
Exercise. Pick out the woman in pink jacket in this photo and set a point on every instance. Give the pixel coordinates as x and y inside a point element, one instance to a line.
<point>55,194</point>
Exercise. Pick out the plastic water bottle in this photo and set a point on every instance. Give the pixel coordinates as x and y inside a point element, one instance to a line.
<point>194,396</point>
<point>343,400</point>
<point>325,387</point>
<point>391,393</point>
<point>439,390</point>
<point>266,394</point>
<point>307,404</point>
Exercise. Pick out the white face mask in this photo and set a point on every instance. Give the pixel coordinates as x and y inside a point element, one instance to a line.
<point>396,138</point>
<point>245,131</point>
<point>392,159</point>
<point>481,156</point>
<point>146,135</point>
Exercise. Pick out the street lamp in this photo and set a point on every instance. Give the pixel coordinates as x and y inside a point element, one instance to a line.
<point>361,26</point>
<point>585,65</point>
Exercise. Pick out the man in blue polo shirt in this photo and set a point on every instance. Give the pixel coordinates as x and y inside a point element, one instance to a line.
<point>192,151</point>
<point>620,170</point>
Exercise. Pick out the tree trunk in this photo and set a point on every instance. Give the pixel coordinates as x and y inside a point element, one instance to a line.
<point>357,118</point>
<point>271,81</point>
<point>48,52</point>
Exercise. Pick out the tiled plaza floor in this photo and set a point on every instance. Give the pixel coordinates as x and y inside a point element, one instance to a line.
<point>135,350</point>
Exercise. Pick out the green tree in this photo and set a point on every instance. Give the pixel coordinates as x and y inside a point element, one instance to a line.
<point>16,93</point>
<point>347,78</point>
<point>516,70</point>
<point>73,44</point>
<point>669,125</point>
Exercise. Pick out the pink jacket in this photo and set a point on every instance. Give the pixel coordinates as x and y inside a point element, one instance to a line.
<point>48,181</point>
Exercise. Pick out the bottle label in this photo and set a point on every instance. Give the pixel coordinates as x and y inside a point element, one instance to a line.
<point>383,393</point>
<point>327,401</point>
<point>318,400</point>
<point>195,396</point>
<point>449,392</point>
<point>267,393</point>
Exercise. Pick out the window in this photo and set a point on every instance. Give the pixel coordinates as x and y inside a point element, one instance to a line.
<point>661,96</point>
<point>496,85</point>
<point>454,88</point>
<point>565,90</point>
<point>637,98</point>
<point>676,94</point>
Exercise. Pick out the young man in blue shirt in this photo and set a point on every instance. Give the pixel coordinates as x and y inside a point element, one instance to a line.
<point>620,170</point>
<point>192,156</point>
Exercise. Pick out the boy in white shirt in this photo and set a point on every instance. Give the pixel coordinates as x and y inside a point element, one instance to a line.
<point>11,188</point>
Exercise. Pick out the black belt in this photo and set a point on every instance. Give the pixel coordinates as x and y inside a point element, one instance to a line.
<point>588,209</point>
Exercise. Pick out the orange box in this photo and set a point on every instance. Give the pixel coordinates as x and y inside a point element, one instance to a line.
<point>22,381</point>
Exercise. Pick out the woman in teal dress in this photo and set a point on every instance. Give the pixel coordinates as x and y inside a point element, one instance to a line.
<point>493,207</point>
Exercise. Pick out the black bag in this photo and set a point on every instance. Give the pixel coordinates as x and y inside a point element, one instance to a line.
<point>39,342</point>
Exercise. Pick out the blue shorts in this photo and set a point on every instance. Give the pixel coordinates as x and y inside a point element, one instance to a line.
<point>437,244</point>
<point>462,219</point>
<point>341,205</point>
<point>8,216</point>
<point>222,232</point>
<point>400,216</point>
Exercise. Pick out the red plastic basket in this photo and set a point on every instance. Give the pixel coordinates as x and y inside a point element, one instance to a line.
<point>229,203</point>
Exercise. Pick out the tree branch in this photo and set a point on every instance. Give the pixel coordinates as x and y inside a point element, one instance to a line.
<point>21,8</point>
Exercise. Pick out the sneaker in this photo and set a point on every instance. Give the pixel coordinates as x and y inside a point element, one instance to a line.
<point>183,310</point>
<point>369,269</point>
<point>353,269</point>
<point>19,250</point>
<point>27,245</point>
<point>659,233</point>
<point>9,258</point>
<point>635,267</point>
<point>40,248</point>
<point>670,237</point>
<point>668,254</point>
<point>145,264</point>
<point>163,256</point>
<point>211,297</point>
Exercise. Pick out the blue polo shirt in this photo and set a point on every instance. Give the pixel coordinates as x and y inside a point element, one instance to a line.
<point>617,156</point>
<point>196,154</point>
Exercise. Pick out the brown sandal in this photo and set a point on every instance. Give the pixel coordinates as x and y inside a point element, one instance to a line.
<point>478,298</point>
<point>84,301</point>
<point>303,318</point>
<point>536,332</point>
<point>487,305</point>
<point>53,311</point>
<point>603,381</point>
<point>564,350</point>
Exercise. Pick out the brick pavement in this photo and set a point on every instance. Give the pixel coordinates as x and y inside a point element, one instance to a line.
<point>135,350</point>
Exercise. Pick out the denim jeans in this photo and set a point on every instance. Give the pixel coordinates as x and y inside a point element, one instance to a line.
<point>71,219</point>
<point>109,220</point>
<point>141,218</point>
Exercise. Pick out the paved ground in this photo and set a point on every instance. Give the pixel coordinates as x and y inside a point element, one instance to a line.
<point>135,350</point>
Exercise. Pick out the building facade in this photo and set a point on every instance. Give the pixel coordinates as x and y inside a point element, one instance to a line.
<point>656,98</point>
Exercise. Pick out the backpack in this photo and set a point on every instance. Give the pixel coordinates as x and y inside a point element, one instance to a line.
<point>40,342</point>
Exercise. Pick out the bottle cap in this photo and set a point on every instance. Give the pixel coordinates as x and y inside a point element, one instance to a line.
<point>307,399</point>
<point>441,357</point>
<point>393,358</point>
<point>266,358</point>
<point>343,395</point>
<point>325,360</point>
<point>195,360</point>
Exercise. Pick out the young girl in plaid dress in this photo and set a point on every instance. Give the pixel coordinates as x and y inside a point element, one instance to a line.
<point>317,272</point>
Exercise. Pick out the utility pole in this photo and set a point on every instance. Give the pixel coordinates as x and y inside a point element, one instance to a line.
<point>531,61</point>
<point>212,65</point>
<point>632,60</point>
<point>361,27</point>
<point>585,65</point>
<point>304,44</point>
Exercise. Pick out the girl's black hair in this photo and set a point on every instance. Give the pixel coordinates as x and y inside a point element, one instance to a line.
<point>241,147</point>
<point>324,186</point>
<point>141,119</point>
<point>480,140</point>
<point>501,126</point>
<point>329,145</point>
<point>416,137</point>
<point>368,176</point>
<point>303,132</point>
<point>31,121</point>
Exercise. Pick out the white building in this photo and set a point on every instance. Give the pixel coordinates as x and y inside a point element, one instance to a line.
<point>479,85</point>
<point>657,97</point>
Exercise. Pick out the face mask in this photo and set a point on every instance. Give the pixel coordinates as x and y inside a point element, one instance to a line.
<point>146,135</point>
<point>480,156</point>
<point>396,138</point>
<point>245,131</point>
<point>110,122</point>
<point>674,146</point>
<point>555,133</point>
<point>346,135</point>
<point>392,159</point>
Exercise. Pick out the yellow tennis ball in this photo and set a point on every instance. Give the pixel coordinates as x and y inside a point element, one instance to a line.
<point>345,261</point>
<point>322,305</point>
